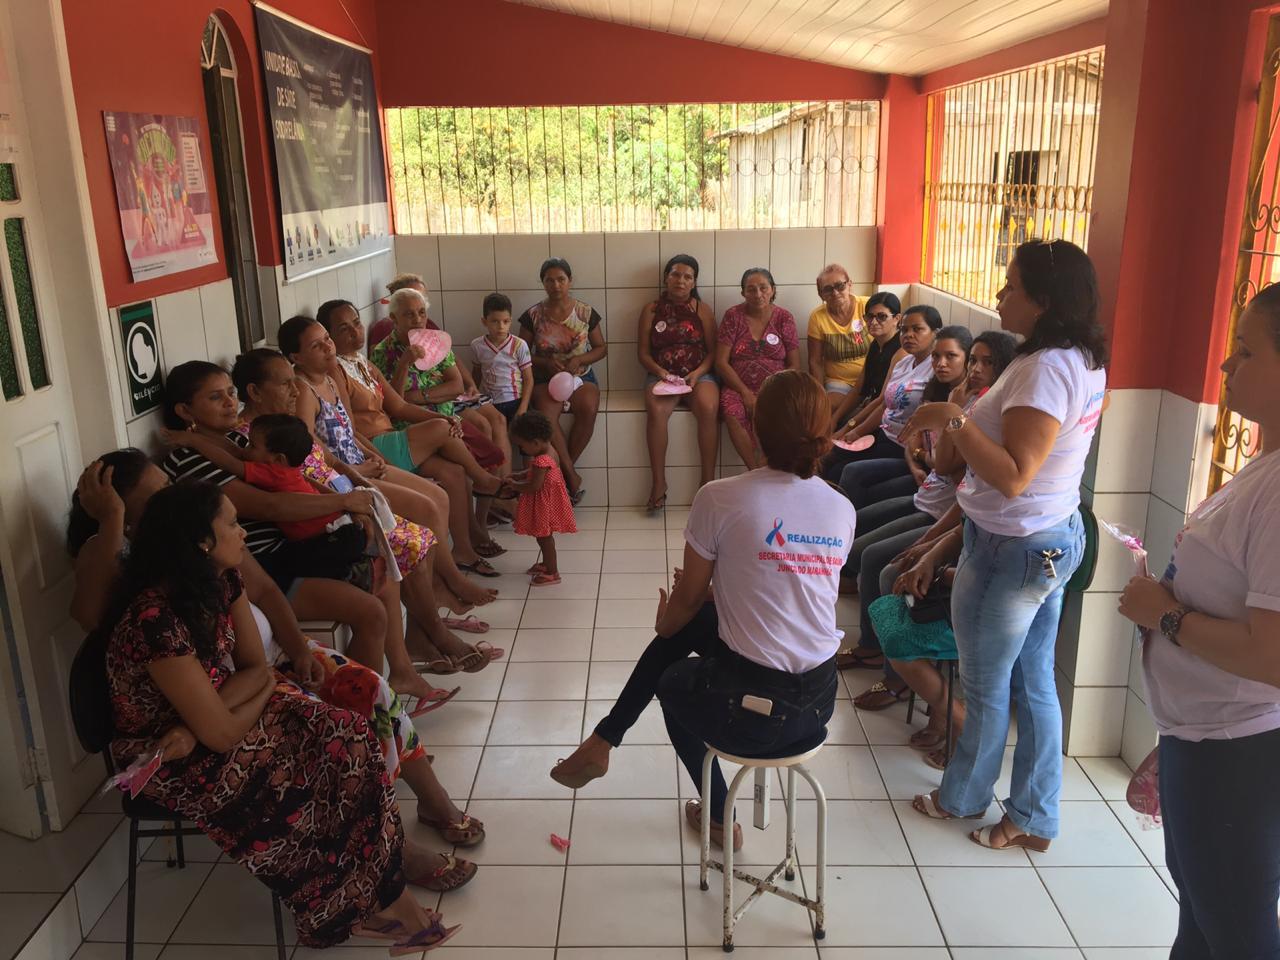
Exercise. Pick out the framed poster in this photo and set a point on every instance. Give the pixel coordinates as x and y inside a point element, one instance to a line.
<point>161,192</point>
<point>331,177</point>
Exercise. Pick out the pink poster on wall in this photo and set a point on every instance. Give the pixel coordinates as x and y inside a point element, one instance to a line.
<point>161,192</point>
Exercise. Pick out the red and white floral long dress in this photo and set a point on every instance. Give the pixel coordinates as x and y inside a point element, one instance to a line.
<point>303,801</point>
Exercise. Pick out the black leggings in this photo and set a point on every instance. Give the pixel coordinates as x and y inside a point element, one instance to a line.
<point>1218,799</point>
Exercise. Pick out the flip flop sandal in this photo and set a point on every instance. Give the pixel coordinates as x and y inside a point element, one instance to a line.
<point>468,624</point>
<point>862,702</point>
<point>693,814</point>
<point>578,779</point>
<point>544,579</point>
<point>487,653</point>
<point>927,739</point>
<point>481,568</point>
<point>653,506</point>
<point>537,568</point>
<point>936,759</point>
<point>466,832</point>
<point>853,660</point>
<point>925,805</point>
<point>428,938</point>
<point>983,837</point>
<point>490,549</point>
<point>439,697</point>
<point>378,928</point>
<point>450,875</point>
<point>576,497</point>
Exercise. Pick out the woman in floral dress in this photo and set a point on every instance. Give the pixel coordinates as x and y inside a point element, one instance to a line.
<point>293,788</point>
<point>755,339</point>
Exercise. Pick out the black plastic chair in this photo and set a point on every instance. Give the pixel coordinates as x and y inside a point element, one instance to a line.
<point>92,717</point>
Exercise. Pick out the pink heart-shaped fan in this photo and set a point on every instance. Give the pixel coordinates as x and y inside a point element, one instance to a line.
<point>436,343</point>
<point>856,446</point>
<point>665,388</point>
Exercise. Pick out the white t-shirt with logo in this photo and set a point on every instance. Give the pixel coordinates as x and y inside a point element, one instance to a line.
<point>1057,382</point>
<point>502,368</point>
<point>1225,560</point>
<point>902,393</point>
<point>778,543</point>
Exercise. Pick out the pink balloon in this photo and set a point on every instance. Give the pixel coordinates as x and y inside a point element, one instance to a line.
<point>436,343</point>
<point>561,386</point>
<point>857,446</point>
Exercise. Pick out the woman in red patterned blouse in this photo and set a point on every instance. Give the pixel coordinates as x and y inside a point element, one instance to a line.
<point>677,345</point>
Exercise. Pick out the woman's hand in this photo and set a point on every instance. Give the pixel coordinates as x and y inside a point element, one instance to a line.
<point>1145,600</point>
<point>177,742</point>
<point>375,469</point>
<point>573,365</point>
<point>917,580</point>
<point>662,607</point>
<point>412,354</point>
<point>749,402</point>
<point>358,501</point>
<point>918,473</point>
<point>97,496</point>
<point>307,670</point>
<point>455,427</point>
<point>911,556</point>
<point>932,416</point>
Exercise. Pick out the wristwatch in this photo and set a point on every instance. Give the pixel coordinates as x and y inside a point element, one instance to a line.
<point>956,423</point>
<point>1171,623</point>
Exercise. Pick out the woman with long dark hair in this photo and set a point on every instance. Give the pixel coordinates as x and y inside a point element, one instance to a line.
<point>289,786</point>
<point>1025,448</point>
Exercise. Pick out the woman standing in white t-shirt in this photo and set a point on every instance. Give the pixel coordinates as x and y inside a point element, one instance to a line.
<point>764,680</point>
<point>1025,447</point>
<point>1211,655</point>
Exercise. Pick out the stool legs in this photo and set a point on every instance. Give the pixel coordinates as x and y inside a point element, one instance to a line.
<point>791,824</point>
<point>820,905</point>
<point>727,946</point>
<point>705,822</point>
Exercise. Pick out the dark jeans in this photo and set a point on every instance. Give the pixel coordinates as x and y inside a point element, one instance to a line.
<point>868,482</point>
<point>1218,799</point>
<point>883,448</point>
<point>875,579</point>
<point>699,635</point>
<point>702,703</point>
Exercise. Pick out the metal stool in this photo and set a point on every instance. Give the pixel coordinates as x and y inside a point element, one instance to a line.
<point>762,766</point>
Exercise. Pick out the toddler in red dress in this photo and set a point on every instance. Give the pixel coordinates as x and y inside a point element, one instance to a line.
<point>544,508</point>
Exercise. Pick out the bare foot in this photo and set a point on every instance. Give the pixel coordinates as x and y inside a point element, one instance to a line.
<point>469,592</point>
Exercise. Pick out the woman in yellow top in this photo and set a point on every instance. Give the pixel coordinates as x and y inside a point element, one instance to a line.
<point>838,339</point>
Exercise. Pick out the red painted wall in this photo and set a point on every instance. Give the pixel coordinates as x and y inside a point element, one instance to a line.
<point>491,53</point>
<point>900,206</point>
<point>145,57</point>
<point>1173,150</point>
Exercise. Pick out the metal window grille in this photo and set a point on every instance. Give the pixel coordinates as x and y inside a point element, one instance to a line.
<point>1008,158</point>
<point>484,170</point>
<point>1236,440</point>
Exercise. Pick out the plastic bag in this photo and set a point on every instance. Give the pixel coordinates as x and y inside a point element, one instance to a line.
<point>135,776</point>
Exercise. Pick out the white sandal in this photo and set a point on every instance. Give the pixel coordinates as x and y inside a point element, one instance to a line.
<point>926,805</point>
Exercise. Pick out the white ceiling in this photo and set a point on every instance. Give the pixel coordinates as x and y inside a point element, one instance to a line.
<point>885,36</point>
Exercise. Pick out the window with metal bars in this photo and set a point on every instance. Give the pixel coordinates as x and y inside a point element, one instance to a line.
<point>485,170</point>
<point>1008,158</point>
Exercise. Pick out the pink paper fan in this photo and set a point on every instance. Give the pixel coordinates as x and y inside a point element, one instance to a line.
<point>436,343</point>
<point>665,388</point>
<point>857,446</point>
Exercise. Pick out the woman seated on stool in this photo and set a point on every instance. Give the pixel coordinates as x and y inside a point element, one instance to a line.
<point>765,676</point>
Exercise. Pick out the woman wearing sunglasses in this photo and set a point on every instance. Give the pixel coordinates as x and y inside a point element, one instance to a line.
<point>838,339</point>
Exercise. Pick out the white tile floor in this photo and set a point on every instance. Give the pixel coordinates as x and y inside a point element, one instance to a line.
<point>899,887</point>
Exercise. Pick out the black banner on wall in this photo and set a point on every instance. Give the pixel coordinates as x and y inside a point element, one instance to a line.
<point>327,142</point>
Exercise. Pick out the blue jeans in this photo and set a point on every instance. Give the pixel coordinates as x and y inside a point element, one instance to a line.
<point>1005,609</point>
<point>1222,844</point>
<point>878,522</point>
<point>866,482</point>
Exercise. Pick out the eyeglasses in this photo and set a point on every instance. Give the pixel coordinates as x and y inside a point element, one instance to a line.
<point>878,317</point>
<point>831,288</point>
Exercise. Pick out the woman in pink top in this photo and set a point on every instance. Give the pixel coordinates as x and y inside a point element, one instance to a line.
<point>1211,656</point>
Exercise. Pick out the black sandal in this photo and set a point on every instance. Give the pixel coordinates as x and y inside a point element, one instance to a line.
<point>481,568</point>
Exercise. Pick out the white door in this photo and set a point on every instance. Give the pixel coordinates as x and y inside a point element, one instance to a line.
<point>38,471</point>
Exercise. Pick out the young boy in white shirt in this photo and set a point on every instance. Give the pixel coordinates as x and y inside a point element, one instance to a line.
<point>501,363</point>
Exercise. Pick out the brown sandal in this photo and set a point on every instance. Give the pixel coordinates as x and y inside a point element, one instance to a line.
<point>879,696</point>
<point>1029,841</point>
<point>450,875</point>
<point>855,660</point>
<point>693,813</point>
<point>466,832</point>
